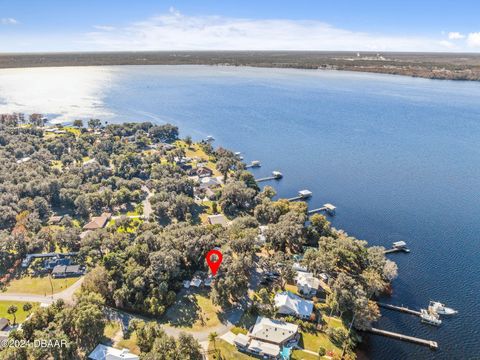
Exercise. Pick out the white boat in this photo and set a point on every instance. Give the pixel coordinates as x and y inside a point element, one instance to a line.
<point>441,309</point>
<point>430,318</point>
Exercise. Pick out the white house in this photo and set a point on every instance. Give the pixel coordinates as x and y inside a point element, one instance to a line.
<point>267,337</point>
<point>307,284</point>
<point>288,303</point>
<point>103,352</point>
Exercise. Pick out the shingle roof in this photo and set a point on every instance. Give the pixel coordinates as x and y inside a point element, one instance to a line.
<point>274,331</point>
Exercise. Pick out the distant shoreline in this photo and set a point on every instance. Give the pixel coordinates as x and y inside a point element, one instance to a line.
<point>440,66</point>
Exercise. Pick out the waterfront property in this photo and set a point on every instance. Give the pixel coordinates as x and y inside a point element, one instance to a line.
<point>268,338</point>
<point>287,303</point>
<point>307,284</point>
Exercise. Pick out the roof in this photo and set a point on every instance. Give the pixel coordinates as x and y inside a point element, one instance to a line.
<point>103,352</point>
<point>264,348</point>
<point>218,219</point>
<point>204,171</point>
<point>55,219</point>
<point>274,331</point>
<point>97,222</point>
<point>399,243</point>
<point>3,323</point>
<point>241,339</point>
<point>289,303</point>
<point>307,279</point>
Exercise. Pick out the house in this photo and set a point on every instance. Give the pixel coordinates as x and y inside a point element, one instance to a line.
<point>307,284</point>
<point>103,352</point>
<point>204,172</point>
<point>267,338</point>
<point>98,222</point>
<point>218,219</point>
<point>297,267</point>
<point>4,323</point>
<point>64,271</point>
<point>55,219</point>
<point>288,303</point>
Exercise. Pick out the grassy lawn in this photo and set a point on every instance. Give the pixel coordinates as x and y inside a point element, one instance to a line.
<point>111,330</point>
<point>227,351</point>
<point>313,342</point>
<point>291,288</point>
<point>39,285</point>
<point>302,355</point>
<point>20,314</point>
<point>130,344</point>
<point>193,312</point>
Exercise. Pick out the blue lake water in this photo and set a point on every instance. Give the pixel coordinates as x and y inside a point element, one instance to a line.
<point>398,156</point>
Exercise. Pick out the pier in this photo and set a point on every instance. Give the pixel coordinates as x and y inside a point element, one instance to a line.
<point>276,175</point>
<point>302,194</point>
<point>431,344</point>
<point>253,164</point>
<point>398,246</point>
<point>329,208</point>
<point>399,308</point>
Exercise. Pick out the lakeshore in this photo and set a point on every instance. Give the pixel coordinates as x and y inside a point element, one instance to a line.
<point>442,66</point>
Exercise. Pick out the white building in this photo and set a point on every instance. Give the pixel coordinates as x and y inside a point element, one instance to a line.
<point>103,352</point>
<point>288,303</point>
<point>307,284</point>
<point>267,337</point>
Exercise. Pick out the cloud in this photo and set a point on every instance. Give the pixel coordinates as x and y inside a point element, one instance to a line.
<point>8,21</point>
<point>175,31</point>
<point>473,39</point>
<point>104,27</point>
<point>455,35</point>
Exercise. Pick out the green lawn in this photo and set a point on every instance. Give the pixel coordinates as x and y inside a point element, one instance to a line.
<point>302,355</point>
<point>130,344</point>
<point>39,285</point>
<point>20,314</point>
<point>227,351</point>
<point>193,312</point>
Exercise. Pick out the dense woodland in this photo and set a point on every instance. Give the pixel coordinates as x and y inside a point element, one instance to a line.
<point>139,265</point>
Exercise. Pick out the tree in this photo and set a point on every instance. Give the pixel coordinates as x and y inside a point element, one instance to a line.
<point>213,338</point>
<point>78,123</point>
<point>94,123</point>
<point>167,133</point>
<point>236,197</point>
<point>27,307</point>
<point>12,309</point>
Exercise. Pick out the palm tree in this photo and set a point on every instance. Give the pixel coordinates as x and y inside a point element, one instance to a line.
<point>12,309</point>
<point>213,337</point>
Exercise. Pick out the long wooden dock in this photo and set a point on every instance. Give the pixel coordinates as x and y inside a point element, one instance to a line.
<point>302,195</point>
<point>431,344</point>
<point>399,308</point>
<point>329,208</point>
<point>276,175</point>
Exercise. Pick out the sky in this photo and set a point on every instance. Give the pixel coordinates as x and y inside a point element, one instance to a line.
<point>354,25</point>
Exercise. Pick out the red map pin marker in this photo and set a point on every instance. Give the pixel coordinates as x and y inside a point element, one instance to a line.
<point>214,264</point>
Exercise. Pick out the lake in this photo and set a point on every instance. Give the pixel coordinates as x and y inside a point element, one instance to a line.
<point>398,156</point>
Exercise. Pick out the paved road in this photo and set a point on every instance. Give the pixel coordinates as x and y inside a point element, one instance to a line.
<point>147,207</point>
<point>66,295</point>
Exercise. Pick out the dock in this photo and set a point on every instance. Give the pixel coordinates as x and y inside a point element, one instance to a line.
<point>399,308</point>
<point>329,208</point>
<point>253,164</point>
<point>431,344</point>
<point>398,246</point>
<point>302,194</point>
<point>276,175</point>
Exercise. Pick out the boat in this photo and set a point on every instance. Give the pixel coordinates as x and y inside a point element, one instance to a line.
<point>441,309</point>
<point>430,318</point>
